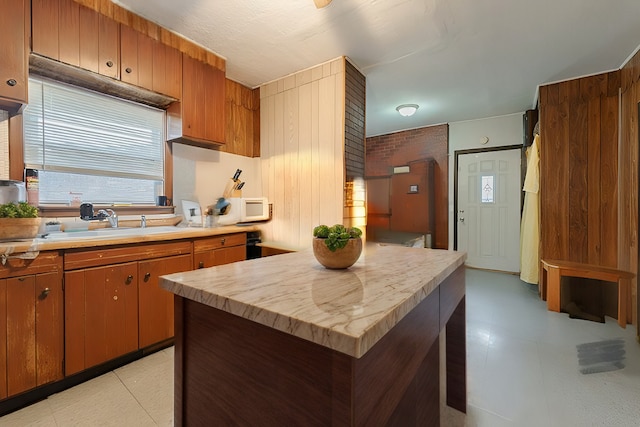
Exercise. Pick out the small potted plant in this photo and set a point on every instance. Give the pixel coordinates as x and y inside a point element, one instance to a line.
<point>337,247</point>
<point>18,221</point>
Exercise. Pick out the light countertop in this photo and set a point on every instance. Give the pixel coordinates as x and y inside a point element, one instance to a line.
<point>103,238</point>
<point>345,310</point>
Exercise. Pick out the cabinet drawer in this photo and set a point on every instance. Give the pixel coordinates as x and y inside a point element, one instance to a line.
<point>45,262</point>
<point>217,242</point>
<point>82,258</point>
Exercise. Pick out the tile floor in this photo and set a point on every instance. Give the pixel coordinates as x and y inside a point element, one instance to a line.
<point>523,370</point>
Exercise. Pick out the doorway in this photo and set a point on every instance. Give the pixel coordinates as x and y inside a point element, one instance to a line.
<point>487,200</point>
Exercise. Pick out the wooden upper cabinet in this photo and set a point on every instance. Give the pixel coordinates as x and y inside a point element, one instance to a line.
<point>203,101</point>
<point>172,84</point>
<point>108,47</point>
<point>14,21</point>
<point>136,58</point>
<point>215,103</point>
<point>193,98</point>
<point>71,33</point>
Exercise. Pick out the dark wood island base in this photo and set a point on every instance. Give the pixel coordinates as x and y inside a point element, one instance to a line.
<point>234,371</point>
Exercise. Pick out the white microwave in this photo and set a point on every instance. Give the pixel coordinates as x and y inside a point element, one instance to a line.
<point>245,209</point>
<point>254,209</point>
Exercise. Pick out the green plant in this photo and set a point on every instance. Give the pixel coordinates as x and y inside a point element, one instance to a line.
<point>337,236</point>
<point>18,210</point>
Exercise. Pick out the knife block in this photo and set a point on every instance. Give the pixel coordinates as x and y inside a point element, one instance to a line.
<point>231,191</point>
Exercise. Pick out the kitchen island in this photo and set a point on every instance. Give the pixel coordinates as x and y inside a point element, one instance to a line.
<point>283,341</point>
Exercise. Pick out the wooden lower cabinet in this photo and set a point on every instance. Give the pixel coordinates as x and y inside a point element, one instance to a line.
<point>156,304</point>
<point>31,324</point>
<point>101,315</point>
<point>113,303</point>
<point>219,250</point>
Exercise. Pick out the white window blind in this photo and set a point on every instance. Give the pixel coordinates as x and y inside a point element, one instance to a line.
<point>105,148</point>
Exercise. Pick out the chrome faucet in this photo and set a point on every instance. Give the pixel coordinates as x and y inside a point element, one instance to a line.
<point>110,215</point>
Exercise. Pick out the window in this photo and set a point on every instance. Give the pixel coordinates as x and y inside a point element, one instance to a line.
<point>487,189</point>
<point>82,142</point>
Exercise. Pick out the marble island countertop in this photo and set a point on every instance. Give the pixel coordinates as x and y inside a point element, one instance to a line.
<point>345,310</point>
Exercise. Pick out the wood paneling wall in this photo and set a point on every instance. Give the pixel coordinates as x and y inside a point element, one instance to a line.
<point>123,16</point>
<point>579,170</point>
<point>628,185</point>
<point>302,124</point>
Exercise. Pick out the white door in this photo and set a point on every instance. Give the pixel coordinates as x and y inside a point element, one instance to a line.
<point>488,217</point>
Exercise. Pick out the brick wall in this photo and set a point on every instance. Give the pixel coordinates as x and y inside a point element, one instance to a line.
<point>383,152</point>
<point>354,137</point>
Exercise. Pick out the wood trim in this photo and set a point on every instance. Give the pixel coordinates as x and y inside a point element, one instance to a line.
<point>16,148</point>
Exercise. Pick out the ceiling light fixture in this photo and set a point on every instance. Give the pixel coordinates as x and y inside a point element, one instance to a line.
<point>321,3</point>
<point>407,109</point>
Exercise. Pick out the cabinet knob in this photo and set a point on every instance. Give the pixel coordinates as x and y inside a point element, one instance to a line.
<point>201,264</point>
<point>147,276</point>
<point>128,70</point>
<point>44,293</point>
<point>129,280</point>
<point>222,241</point>
<point>109,64</point>
<point>12,82</point>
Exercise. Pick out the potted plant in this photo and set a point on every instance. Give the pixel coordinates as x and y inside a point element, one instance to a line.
<point>337,247</point>
<point>18,221</point>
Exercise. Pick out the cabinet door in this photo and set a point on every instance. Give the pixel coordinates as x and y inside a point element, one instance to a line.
<point>193,98</point>
<point>33,331</point>
<point>156,304</point>
<point>49,300</point>
<point>215,116</point>
<point>101,315</point>
<point>14,54</point>
<point>56,29</point>
<point>173,72</point>
<point>136,58</point>
<point>45,23</point>
<point>109,47</point>
<point>167,69</point>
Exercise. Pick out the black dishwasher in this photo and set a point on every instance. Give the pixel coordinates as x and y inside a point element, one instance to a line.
<point>253,250</point>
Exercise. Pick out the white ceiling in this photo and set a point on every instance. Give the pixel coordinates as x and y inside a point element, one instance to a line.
<point>457,59</point>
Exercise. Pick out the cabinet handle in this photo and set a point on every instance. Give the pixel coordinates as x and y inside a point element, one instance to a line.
<point>147,276</point>
<point>109,64</point>
<point>129,280</point>
<point>21,279</point>
<point>128,70</point>
<point>222,241</point>
<point>44,293</point>
<point>12,82</point>
<point>201,264</point>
